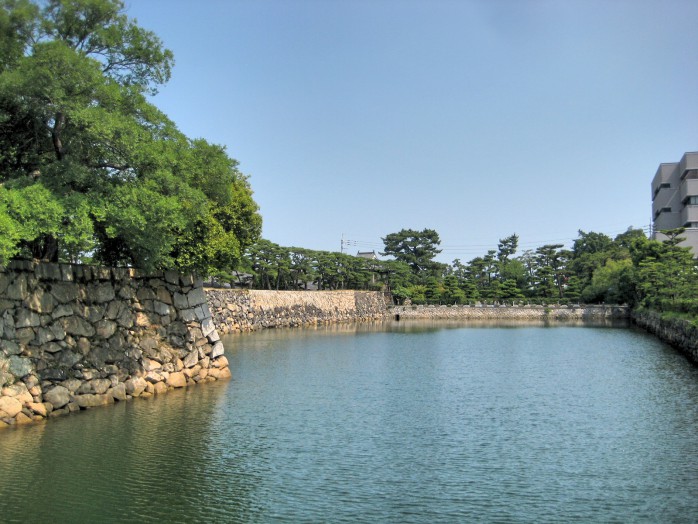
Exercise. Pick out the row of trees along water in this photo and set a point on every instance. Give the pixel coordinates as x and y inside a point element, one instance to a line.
<point>628,269</point>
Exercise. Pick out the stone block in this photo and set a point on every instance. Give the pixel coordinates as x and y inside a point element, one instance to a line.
<point>172,277</point>
<point>207,327</point>
<point>164,296</point>
<point>25,335</point>
<point>19,366</point>
<point>65,292</point>
<point>135,386</point>
<point>85,388</point>
<point>117,343</point>
<point>191,359</point>
<point>17,289</point>
<point>196,297</point>
<point>54,374</point>
<point>113,309</point>
<point>40,301</point>
<point>220,362</point>
<point>67,274</point>
<point>217,350</point>
<point>127,293</point>
<point>71,384</point>
<point>187,315</point>
<point>26,318</point>
<point>180,301</point>
<point>68,359</point>
<point>148,343</point>
<point>145,293</point>
<point>39,408</point>
<point>177,380</point>
<point>149,364</point>
<point>105,328</point>
<point>125,319</point>
<point>57,331</point>
<point>93,400</point>
<point>101,385</point>
<point>9,347</point>
<point>58,396</point>
<point>95,312</point>
<point>118,392</point>
<point>102,273</point>
<point>23,418</point>
<point>202,312</point>
<point>52,347</point>
<point>214,336</point>
<point>153,377</point>
<point>44,336</point>
<point>119,273</point>
<point>161,308</point>
<point>75,325</point>
<point>48,271</point>
<point>10,405</point>
<point>62,311</point>
<point>4,282</point>
<point>84,345</point>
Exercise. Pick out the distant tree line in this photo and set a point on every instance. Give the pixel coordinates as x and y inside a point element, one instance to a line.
<point>628,269</point>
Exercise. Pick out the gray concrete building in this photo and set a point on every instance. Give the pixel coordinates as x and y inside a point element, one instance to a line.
<point>675,199</point>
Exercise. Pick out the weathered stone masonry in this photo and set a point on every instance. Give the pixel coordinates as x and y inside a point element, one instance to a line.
<point>248,310</point>
<point>73,337</point>
<point>498,313</point>
<point>681,334</point>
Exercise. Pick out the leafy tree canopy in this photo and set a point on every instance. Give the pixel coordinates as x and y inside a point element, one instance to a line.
<point>89,168</point>
<point>417,249</point>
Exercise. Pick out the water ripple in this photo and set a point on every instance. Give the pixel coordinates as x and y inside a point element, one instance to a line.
<point>445,425</point>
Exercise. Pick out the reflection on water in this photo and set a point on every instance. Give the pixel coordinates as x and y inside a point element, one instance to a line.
<point>103,464</point>
<point>417,325</point>
<point>398,422</point>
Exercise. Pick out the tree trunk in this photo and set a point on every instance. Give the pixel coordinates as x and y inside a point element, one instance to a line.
<point>58,126</point>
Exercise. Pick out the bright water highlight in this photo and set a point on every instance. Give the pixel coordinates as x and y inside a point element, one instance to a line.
<point>398,423</point>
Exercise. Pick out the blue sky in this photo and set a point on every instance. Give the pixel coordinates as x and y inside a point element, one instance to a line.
<point>478,119</point>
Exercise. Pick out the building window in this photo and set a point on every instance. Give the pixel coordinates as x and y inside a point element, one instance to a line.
<point>663,185</point>
<point>691,201</point>
<point>691,225</point>
<point>661,210</point>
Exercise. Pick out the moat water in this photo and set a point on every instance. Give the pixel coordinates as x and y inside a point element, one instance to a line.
<point>401,422</point>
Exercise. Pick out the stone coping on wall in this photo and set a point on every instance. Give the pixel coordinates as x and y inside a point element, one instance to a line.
<point>534,312</point>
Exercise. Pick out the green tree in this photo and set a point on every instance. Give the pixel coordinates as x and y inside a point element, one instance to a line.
<point>127,187</point>
<point>417,249</point>
<point>609,283</point>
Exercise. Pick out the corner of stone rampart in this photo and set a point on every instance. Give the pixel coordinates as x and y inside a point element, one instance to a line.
<point>74,336</point>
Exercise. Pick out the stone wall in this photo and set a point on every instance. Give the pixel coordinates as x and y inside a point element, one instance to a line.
<point>681,334</point>
<point>73,337</point>
<point>510,312</point>
<point>237,311</point>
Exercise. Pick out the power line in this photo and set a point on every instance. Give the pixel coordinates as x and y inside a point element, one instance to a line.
<point>474,249</point>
